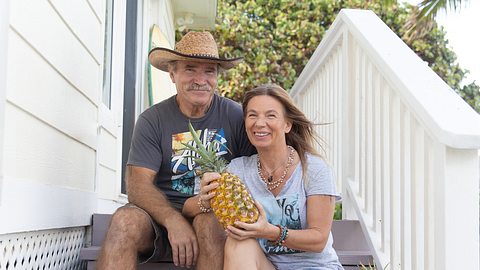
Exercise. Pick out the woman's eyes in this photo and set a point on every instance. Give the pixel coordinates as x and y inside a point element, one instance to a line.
<point>269,116</point>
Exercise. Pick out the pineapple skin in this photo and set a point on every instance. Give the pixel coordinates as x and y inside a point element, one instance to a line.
<point>232,201</point>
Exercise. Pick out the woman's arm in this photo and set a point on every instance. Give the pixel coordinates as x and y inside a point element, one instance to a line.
<point>320,210</point>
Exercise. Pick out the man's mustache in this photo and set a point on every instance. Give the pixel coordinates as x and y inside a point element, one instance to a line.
<point>195,86</point>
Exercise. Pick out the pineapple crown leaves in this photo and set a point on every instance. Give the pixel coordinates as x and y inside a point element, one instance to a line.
<point>208,159</point>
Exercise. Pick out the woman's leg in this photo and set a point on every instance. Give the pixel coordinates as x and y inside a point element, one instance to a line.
<point>245,254</point>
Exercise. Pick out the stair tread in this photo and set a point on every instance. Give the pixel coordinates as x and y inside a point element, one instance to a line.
<point>353,252</point>
<point>349,241</point>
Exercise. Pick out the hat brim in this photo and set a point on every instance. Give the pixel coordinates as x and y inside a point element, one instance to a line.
<point>159,58</point>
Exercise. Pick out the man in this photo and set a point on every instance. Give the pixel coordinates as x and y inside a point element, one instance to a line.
<point>160,173</point>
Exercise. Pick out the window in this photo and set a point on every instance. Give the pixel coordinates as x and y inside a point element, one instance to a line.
<point>107,56</point>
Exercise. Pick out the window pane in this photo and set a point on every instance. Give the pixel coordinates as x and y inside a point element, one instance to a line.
<point>107,56</point>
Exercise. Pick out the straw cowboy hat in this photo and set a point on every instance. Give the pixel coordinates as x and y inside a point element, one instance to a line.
<point>194,46</point>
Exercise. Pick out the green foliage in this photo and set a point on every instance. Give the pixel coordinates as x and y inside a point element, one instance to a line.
<point>471,94</point>
<point>278,37</point>
<point>338,211</point>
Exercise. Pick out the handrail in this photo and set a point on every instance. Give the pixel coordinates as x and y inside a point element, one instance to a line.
<point>403,145</point>
<point>401,67</point>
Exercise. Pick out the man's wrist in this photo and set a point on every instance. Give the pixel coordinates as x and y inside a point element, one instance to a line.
<point>171,218</point>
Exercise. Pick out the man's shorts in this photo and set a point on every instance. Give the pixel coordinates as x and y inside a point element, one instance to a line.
<point>162,251</point>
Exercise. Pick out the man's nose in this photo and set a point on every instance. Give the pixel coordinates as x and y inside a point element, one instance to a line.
<point>200,78</point>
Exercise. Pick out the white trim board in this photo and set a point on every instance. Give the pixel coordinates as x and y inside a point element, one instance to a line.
<point>4,19</point>
<point>109,206</point>
<point>31,206</point>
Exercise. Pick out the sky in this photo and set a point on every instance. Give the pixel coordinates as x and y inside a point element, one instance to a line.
<point>462,27</point>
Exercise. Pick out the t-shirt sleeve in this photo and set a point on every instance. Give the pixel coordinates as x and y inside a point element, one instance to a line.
<point>320,180</point>
<point>145,149</point>
<point>236,167</point>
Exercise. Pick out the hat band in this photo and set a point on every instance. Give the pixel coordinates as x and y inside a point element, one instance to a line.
<point>204,55</point>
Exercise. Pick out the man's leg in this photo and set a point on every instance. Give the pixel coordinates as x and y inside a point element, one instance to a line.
<point>129,234</point>
<point>211,240</point>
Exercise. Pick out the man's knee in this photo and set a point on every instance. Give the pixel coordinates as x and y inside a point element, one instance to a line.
<point>208,229</point>
<point>130,224</point>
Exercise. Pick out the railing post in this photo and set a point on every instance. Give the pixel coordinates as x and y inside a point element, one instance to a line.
<point>456,200</point>
<point>348,165</point>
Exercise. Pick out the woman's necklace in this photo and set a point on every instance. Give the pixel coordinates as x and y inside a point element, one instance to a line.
<point>270,174</point>
<point>271,185</point>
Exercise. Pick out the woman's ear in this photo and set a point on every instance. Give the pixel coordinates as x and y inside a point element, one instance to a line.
<point>288,127</point>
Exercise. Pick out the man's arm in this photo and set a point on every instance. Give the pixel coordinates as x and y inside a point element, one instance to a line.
<point>143,193</point>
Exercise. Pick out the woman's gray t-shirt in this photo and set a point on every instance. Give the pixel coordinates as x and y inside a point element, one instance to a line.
<point>289,209</point>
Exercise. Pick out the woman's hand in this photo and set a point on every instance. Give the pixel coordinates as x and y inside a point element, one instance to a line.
<point>207,186</point>
<point>259,229</point>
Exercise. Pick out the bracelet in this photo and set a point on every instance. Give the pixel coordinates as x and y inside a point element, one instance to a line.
<point>203,208</point>
<point>282,236</point>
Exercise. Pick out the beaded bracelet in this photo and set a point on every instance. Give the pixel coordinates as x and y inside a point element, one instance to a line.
<point>203,208</point>
<point>282,236</point>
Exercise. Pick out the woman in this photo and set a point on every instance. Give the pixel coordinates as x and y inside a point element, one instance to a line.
<point>292,185</point>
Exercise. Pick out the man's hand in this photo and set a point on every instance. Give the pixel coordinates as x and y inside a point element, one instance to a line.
<point>183,241</point>
<point>143,193</point>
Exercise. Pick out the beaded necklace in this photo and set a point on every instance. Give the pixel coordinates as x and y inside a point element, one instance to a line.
<point>271,185</point>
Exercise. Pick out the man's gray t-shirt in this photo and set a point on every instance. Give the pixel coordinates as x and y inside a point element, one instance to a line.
<point>161,130</point>
<point>289,209</point>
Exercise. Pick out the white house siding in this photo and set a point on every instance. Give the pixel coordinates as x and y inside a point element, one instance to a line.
<point>53,88</point>
<point>60,146</point>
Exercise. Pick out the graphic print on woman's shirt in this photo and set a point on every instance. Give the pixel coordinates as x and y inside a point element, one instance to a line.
<point>284,211</point>
<point>185,178</point>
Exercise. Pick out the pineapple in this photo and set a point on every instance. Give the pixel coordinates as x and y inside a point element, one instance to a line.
<point>232,201</point>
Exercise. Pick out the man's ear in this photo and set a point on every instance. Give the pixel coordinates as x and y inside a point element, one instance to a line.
<point>172,75</point>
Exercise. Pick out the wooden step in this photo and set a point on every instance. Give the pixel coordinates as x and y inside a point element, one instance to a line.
<point>349,243</point>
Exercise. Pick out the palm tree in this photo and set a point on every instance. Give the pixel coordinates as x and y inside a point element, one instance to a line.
<point>423,16</point>
<point>430,8</point>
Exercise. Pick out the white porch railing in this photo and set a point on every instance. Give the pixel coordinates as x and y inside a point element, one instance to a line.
<point>402,143</point>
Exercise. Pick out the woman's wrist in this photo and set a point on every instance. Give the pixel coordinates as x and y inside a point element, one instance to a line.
<point>281,236</point>
<point>274,232</point>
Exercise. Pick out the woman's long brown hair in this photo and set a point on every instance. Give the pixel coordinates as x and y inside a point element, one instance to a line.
<point>302,136</point>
